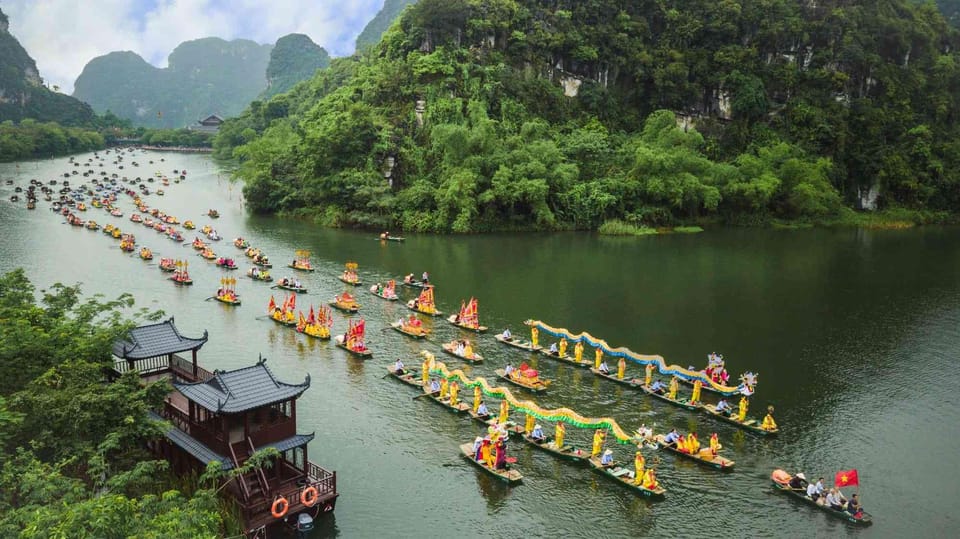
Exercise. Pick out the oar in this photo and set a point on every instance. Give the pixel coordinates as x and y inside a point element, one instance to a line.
<point>431,394</point>
<point>211,297</point>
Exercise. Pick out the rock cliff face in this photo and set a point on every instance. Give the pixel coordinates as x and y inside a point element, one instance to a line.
<point>381,21</point>
<point>22,94</point>
<point>203,77</point>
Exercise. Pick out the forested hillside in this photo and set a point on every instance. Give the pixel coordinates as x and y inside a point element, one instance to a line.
<point>294,58</point>
<point>475,115</point>
<point>381,21</point>
<point>203,77</point>
<point>22,93</point>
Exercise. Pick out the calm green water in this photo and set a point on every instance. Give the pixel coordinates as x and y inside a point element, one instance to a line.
<point>854,334</point>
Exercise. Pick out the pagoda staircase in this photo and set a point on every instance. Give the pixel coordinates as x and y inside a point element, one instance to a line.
<point>253,484</point>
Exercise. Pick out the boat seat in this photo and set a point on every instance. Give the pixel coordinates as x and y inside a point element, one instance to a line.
<point>619,472</point>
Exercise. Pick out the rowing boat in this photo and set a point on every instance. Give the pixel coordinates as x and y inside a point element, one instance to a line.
<point>391,238</point>
<point>413,283</point>
<point>415,332</point>
<point>259,276</point>
<point>284,284</point>
<point>664,397</point>
<point>632,382</point>
<point>705,456</point>
<point>345,303</point>
<point>468,317</point>
<point>453,320</point>
<point>537,386</point>
<point>517,343</point>
<point>350,276</point>
<point>385,293</point>
<point>280,318</point>
<point>623,476</point>
<point>229,300</point>
<point>459,408</point>
<point>864,520</point>
<point>509,475</point>
<point>408,377</point>
<point>451,348</point>
<point>566,452</point>
<point>749,425</point>
<point>566,358</point>
<point>365,353</point>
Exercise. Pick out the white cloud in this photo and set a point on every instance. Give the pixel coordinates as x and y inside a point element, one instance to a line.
<point>63,35</point>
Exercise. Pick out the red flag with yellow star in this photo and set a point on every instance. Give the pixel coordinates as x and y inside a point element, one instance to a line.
<point>847,478</point>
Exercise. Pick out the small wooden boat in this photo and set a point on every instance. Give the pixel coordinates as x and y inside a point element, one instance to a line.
<point>317,324</point>
<point>301,262</point>
<point>388,237</point>
<point>517,343</point>
<point>704,457</point>
<point>509,475</point>
<point>417,332</point>
<point>189,225</point>
<point>92,225</point>
<point>353,339</point>
<point>512,428</point>
<point>146,254</point>
<point>350,276</point>
<point>413,283</point>
<point>408,377</point>
<point>198,244</point>
<point>424,303</point>
<point>241,243</point>
<point>168,265</point>
<point>179,279</point>
<point>251,252</point>
<point>536,385</point>
<point>262,261</point>
<point>566,358</point>
<point>208,254</point>
<point>682,403</point>
<point>386,292</point>
<point>623,476</point>
<point>226,263</point>
<point>259,275</point>
<point>213,214</point>
<point>865,518</point>
<point>228,299</point>
<point>289,284</point>
<point>566,452</point>
<point>632,382</point>
<point>749,425</point>
<point>468,355</point>
<point>345,302</point>
<point>453,319</point>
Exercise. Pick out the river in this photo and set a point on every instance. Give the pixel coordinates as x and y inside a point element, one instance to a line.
<point>854,334</point>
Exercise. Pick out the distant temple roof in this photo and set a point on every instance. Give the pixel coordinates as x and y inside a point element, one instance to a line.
<point>155,340</point>
<point>190,444</point>
<point>213,119</point>
<point>243,389</point>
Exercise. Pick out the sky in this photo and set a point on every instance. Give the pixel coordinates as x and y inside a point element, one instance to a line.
<point>63,35</point>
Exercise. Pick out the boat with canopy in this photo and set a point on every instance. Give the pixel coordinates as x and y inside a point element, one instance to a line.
<point>411,326</point>
<point>525,377</point>
<point>167,265</point>
<point>180,274</point>
<point>689,448</point>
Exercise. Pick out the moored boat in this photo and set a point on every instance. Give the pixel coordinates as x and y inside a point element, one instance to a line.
<point>625,478</point>
<point>468,317</point>
<point>509,475</point>
<point>704,456</point>
<point>781,479</point>
<point>525,377</point>
<point>463,350</point>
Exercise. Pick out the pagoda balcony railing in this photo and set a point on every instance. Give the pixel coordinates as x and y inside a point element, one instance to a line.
<point>323,480</point>
<point>178,365</point>
<point>207,434</point>
<point>282,429</point>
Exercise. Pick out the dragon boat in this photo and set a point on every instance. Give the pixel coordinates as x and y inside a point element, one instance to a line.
<point>704,456</point>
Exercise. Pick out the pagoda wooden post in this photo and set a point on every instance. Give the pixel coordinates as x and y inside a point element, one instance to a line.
<point>194,352</point>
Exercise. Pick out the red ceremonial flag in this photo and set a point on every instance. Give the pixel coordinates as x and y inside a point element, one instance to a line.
<point>272,305</point>
<point>847,478</point>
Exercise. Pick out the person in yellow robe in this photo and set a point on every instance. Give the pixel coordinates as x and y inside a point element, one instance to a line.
<point>444,388</point>
<point>477,398</point>
<point>650,480</point>
<point>486,453</point>
<point>534,336</point>
<point>598,438</point>
<point>559,435</point>
<point>674,385</point>
<point>768,421</point>
<point>597,358</point>
<point>714,444</point>
<point>578,351</point>
<point>695,396</point>
<point>638,463</point>
<point>454,391</point>
<point>648,375</point>
<point>563,347</point>
<point>742,413</point>
<point>621,368</point>
<point>425,372</point>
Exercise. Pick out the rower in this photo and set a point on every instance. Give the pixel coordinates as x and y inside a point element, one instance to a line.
<point>434,386</point>
<point>398,367</point>
<point>853,505</point>
<point>644,432</point>
<point>482,410</point>
<point>798,481</point>
<point>603,368</point>
<point>658,387</point>
<point>408,278</point>
<point>607,458</point>
<point>508,370</point>
<point>506,334</point>
<point>671,437</point>
<point>425,277</point>
<point>553,349</point>
<point>768,422</point>
<point>538,434</point>
<point>598,437</point>
<point>724,407</point>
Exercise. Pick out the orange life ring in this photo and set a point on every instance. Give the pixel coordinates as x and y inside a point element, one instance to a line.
<point>279,507</point>
<point>309,496</point>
